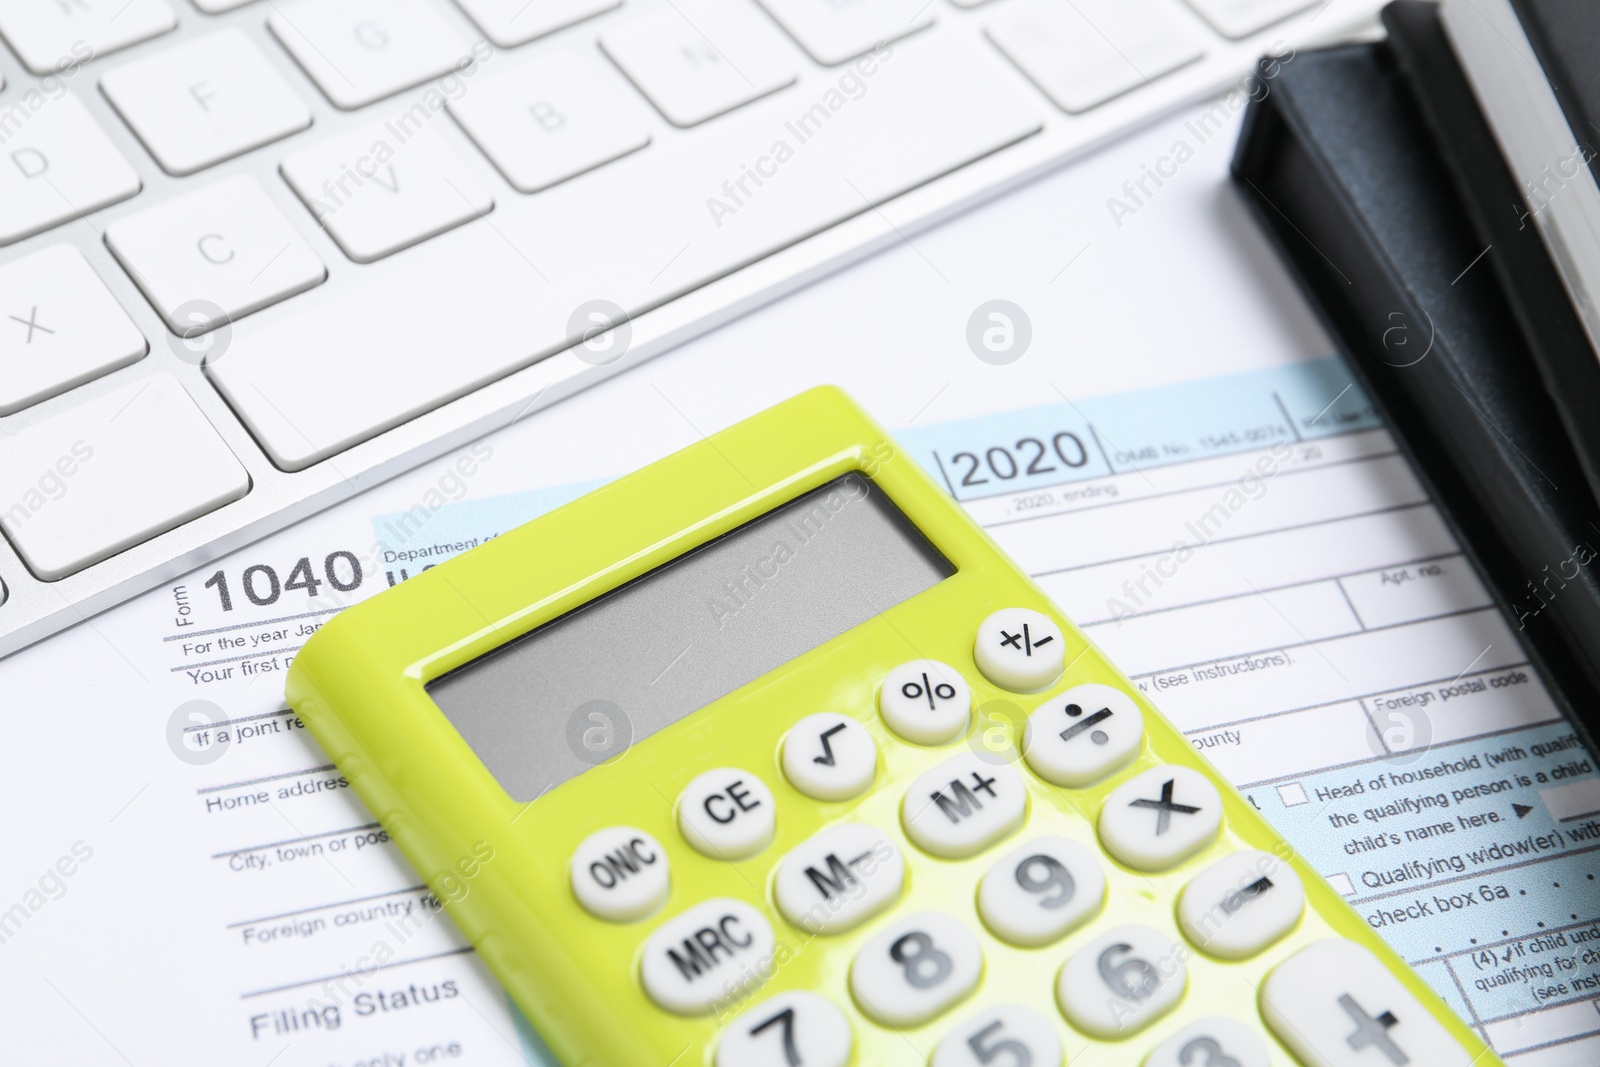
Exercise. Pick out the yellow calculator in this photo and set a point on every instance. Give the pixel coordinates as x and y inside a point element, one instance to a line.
<point>766,756</point>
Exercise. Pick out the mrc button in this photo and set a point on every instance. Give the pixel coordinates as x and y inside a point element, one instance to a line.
<point>718,950</point>
<point>620,874</point>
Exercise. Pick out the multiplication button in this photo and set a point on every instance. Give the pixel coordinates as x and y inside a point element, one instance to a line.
<point>1007,1034</point>
<point>1082,735</point>
<point>1214,1042</point>
<point>1121,982</point>
<point>925,701</point>
<point>1020,649</point>
<point>1038,893</point>
<point>620,874</point>
<point>1160,818</point>
<point>829,756</point>
<point>727,814</point>
<point>1241,904</point>
<point>963,806</point>
<point>839,878</point>
<point>791,1028</point>
<point>1336,1004</point>
<point>916,969</point>
<point>717,950</point>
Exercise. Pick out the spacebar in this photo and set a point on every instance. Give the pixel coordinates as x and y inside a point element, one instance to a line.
<point>473,305</point>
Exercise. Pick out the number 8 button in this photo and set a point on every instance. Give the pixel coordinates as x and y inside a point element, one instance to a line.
<point>916,969</point>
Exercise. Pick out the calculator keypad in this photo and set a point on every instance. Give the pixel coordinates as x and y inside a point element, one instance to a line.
<point>1040,892</point>
<point>1020,649</point>
<point>1081,736</point>
<point>925,702</point>
<point>620,873</point>
<point>1007,1034</point>
<point>789,1029</point>
<point>1160,818</point>
<point>916,969</point>
<point>717,950</point>
<point>1241,904</point>
<point>727,814</point>
<point>839,878</point>
<point>1122,981</point>
<point>963,806</point>
<point>829,757</point>
<point>1212,1042</point>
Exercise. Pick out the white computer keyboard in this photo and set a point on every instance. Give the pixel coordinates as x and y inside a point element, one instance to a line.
<point>256,256</point>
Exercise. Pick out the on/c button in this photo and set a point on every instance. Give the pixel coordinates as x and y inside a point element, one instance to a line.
<point>620,873</point>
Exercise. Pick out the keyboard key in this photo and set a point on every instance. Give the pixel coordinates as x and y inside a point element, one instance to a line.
<point>59,327</point>
<point>541,123</point>
<point>214,255</point>
<point>1084,734</point>
<point>621,874</point>
<point>48,34</point>
<point>216,7</point>
<point>1042,891</point>
<point>374,204</point>
<point>1008,1033</point>
<point>963,806</point>
<point>727,814</point>
<point>1160,818</point>
<point>916,969</point>
<point>1084,53</point>
<point>925,701</point>
<point>509,23</point>
<point>716,951</point>
<point>1241,18</point>
<point>1019,649</point>
<point>829,756</point>
<point>110,474</point>
<point>1241,904</point>
<point>1335,1004</point>
<point>1121,982</point>
<point>791,1028</point>
<point>358,51</point>
<point>57,166</point>
<point>833,32</point>
<point>839,878</point>
<point>697,59</point>
<point>933,109</point>
<point>205,101</point>
<point>1216,1040</point>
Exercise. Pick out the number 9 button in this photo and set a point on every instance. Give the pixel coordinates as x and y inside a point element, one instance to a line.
<point>1037,893</point>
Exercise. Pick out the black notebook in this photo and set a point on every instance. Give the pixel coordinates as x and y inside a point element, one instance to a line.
<point>1341,169</point>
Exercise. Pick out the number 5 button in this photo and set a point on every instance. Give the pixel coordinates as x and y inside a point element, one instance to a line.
<point>916,969</point>
<point>1020,649</point>
<point>791,1028</point>
<point>1008,1034</point>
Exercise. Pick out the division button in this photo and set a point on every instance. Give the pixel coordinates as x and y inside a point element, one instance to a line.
<point>1241,904</point>
<point>916,969</point>
<point>925,701</point>
<point>839,878</point>
<point>791,1028</point>
<point>1217,1040</point>
<point>963,806</point>
<point>1006,1034</point>
<point>1335,1004</point>
<point>717,950</point>
<point>1020,649</point>
<point>727,814</point>
<point>620,873</point>
<point>1038,893</point>
<point>829,756</point>
<point>1121,982</point>
<point>1160,818</point>
<point>1084,734</point>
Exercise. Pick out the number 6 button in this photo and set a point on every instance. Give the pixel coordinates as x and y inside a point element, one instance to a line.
<point>916,969</point>
<point>1008,1034</point>
<point>796,1029</point>
<point>1121,982</point>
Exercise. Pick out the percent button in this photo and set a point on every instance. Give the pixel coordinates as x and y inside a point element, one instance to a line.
<point>925,701</point>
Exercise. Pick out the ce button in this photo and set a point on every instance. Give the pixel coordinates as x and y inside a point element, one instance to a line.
<point>727,814</point>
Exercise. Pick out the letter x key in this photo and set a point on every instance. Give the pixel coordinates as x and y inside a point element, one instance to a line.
<point>32,323</point>
<point>1164,807</point>
<point>1372,1032</point>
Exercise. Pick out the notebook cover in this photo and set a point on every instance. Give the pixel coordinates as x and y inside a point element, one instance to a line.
<point>1341,171</point>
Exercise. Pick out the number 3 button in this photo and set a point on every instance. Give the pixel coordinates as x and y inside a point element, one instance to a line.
<point>1009,1034</point>
<point>791,1028</point>
<point>916,969</point>
<point>1214,1042</point>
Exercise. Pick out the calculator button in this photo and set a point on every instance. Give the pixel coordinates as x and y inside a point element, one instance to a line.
<point>829,756</point>
<point>1020,649</point>
<point>1082,735</point>
<point>916,969</point>
<point>963,806</point>
<point>1122,981</point>
<point>1160,818</point>
<point>1008,1034</point>
<point>1337,1005</point>
<point>716,950</point>
<point>1241,904</point>
<point>791,1028</point>
<point>1217,1042</point>
<point>726,814</point>
<point>839,878</point>
<point>1037,893</point>
<point>620,874</point>
<point>926,701</point>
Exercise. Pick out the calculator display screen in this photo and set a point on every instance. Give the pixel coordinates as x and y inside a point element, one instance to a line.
<point>580,689</point>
